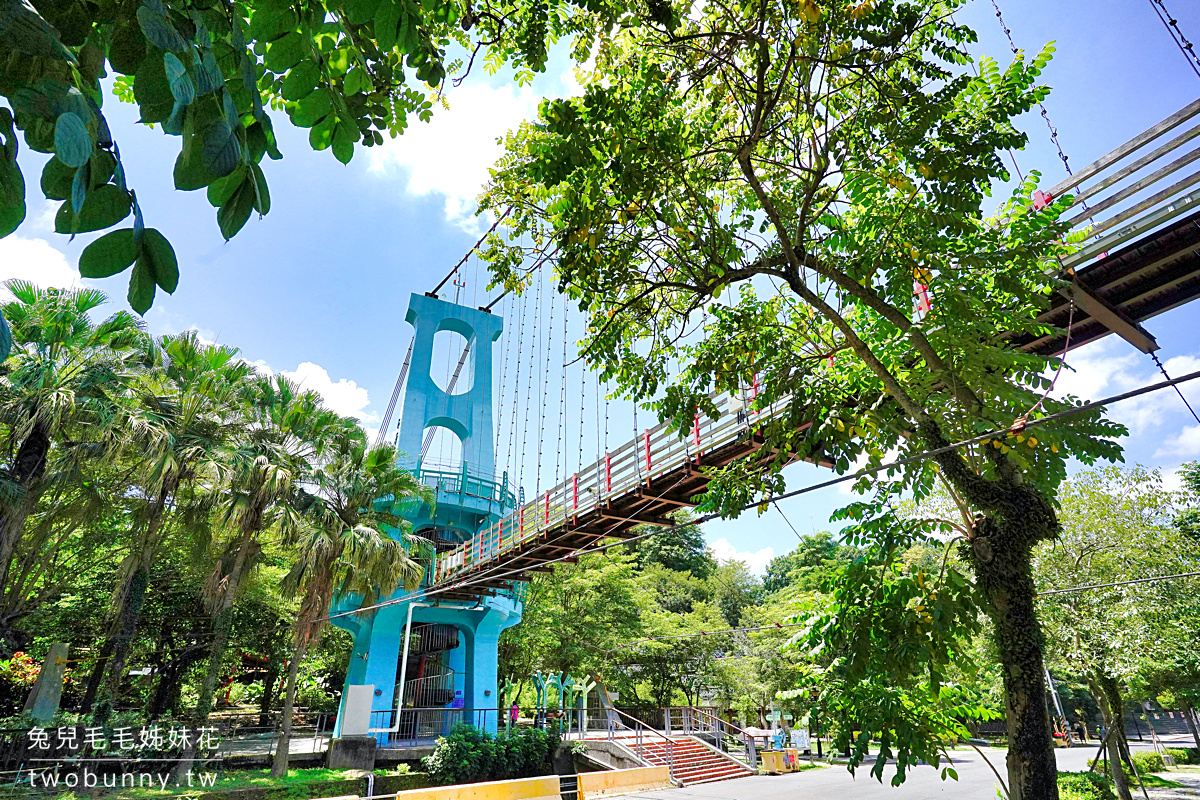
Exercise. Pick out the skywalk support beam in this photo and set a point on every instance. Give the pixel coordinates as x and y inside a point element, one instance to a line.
<point>1110,317</point>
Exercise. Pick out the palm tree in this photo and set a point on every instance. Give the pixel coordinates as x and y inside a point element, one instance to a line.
<point>355,543</point>
<point>186,412</point>
<point>66,374</point>
<point>284,432</point>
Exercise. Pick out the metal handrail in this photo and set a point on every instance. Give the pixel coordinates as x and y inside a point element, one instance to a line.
<point>718,726</point>
<point>639,745</point>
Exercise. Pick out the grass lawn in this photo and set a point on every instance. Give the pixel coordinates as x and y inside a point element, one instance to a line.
<point>296,780</point>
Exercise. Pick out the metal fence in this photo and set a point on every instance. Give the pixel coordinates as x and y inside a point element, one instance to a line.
<point>421,727</point>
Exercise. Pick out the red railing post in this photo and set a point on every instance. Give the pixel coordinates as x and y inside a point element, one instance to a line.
<point>608,472</point>
<point>521,520</point>
<point>696,430</point>
<point>575,493</point>
<point>646,439</point>
<point>547,508</point>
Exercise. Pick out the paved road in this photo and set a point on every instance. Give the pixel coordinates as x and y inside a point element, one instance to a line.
<point>975,781</point>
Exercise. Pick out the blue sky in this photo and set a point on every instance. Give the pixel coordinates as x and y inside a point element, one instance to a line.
<point>318,288</point>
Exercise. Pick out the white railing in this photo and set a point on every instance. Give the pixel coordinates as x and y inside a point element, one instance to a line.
<point>1142,185</point>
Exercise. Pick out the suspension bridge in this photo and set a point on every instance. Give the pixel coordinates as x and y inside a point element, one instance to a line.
<point>424,660</point>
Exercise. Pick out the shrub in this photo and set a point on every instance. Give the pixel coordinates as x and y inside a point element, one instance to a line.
<point>1084,786</point>
<point>1147,762</point>
<point>469,755</point>
<point>1182,756</point>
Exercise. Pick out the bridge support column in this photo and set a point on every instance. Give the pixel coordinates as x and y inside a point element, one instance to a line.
<point>359,626</point>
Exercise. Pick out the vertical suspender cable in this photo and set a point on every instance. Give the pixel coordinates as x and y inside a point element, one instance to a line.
<point>541,427</point>
<point>529,389</point>
<point>499,390</point>
<point>559,454</point>
<point>515,470</point>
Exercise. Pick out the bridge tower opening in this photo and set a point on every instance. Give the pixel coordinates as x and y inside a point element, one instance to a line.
<point>447,671</point>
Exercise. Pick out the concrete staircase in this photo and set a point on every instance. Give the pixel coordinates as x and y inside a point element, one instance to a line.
<point>694,761</point>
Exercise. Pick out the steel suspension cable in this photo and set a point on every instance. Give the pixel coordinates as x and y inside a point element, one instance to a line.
<point>396,390</point>
<point>508,344</point>
<point>1176,34</point>
<point>1042,106</point>
<point>559,455</point>
<point>467,254</point>
<point>529,390</point>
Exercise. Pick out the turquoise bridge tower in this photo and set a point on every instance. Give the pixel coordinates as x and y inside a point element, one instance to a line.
<point>447,671</point>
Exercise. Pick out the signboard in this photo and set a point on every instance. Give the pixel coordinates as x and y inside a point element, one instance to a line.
<point>800,738</point>
<point>457,702</point>
<point>356,716</point>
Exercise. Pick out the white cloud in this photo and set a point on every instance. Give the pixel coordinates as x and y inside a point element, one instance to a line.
<point>1096,370</point>
<point>757,560</point>
<point>343,396</point>
<point>1186,444</point>
<point>451,154</point>
<point>1172,481</point>
<point>34,260</point>
<point>159,321</point>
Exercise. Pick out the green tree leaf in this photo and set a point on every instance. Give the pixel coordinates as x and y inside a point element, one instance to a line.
<point>12,197</point>
<point>141,285</point>
<point>312,109</point>
<point>358,81</point>
<point>220,190</point>
<point>103,208</point>
<point>220,153</point>
<point>181,85</point>
<point>72,142</point>
<point>262,198</point>
<point>233,215</point>
<point>108,255</point>
<point>159,30</point>
<point>151,88</point>
<point>301,81</point>
<point>159,257</point>
<point>56,179</point>
<point>127,48</point>
<point>286,52</point>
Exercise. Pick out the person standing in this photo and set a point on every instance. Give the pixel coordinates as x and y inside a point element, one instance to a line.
<point>513,714</point>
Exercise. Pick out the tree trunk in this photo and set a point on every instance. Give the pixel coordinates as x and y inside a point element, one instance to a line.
<point>28,467</point>
<point>216,656</point>
<point>283,749</point>
<point>1116,732</point>
<point>127,620</point>
<point>1189,713</point>
<point>1004,572</point>
<point>268,695</point>
<point>97,676</point>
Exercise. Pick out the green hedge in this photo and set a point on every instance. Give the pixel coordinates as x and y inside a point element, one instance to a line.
<point>469,755</point>
<point>1148,762</point>
<point>1084,786</point>
<point>1181,756</point>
